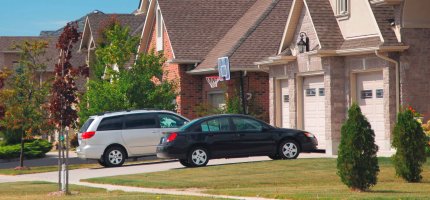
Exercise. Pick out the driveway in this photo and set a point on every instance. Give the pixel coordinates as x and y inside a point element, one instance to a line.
<point>76,175</point>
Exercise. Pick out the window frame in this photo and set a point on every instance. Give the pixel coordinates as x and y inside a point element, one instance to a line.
<point>159,29</point>
<point>343,8</point>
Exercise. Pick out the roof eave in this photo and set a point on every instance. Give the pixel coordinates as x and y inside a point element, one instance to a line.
<point>361,51</point>
<point>386,2</point>
<point>183,61</point>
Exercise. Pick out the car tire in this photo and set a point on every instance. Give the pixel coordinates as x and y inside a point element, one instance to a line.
<point>184,162</point>
<point>198,157</point>
<point>275,157</point>
<point>114,156</point>
<point>289,149</point>
<point>101,162</point>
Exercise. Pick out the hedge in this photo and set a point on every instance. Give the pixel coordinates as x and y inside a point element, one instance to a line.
<point>32,149</point>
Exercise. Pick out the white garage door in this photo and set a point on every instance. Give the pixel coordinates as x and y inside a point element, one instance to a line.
<point>314,107</point>
<point>285,99</point>
<point>370,96</point>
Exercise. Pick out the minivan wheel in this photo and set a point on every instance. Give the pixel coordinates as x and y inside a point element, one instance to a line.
<point>184,162</point>
<point>114,157</point>
<point>289,149</point>
<point>198,157</point>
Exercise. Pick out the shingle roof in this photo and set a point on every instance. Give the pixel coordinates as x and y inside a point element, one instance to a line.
<point>383,14</point>
<point>196,26</point>
<point>361,43</point>
<point>238,33</point>
<point>325,23</point>
<point>97,21</point>
<point>265,39</point>
<point>51,55</point>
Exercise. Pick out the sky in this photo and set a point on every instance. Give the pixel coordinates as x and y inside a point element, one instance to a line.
<point>29,17</point>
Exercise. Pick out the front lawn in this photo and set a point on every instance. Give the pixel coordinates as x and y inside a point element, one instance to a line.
<point>290,179</point>
<point>40,190</point>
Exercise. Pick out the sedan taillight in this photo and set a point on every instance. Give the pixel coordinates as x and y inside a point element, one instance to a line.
<point>88,135</point>
<point>309,135</point>
<point>172,137</point>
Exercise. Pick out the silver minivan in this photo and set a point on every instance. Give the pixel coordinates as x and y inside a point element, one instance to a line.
<point>113,137</point>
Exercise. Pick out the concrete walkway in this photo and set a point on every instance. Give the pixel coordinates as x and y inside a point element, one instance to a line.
<point>77,175</point>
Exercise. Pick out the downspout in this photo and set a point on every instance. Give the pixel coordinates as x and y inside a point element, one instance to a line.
<point>397,78</point>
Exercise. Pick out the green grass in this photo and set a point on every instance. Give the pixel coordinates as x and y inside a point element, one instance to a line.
<point>40,190</point>
<point>291,179</point>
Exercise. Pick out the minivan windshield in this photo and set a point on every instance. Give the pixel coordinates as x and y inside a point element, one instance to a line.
<point>86,125</point>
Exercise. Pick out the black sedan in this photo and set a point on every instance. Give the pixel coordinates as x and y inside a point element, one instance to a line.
<point>229,136</point>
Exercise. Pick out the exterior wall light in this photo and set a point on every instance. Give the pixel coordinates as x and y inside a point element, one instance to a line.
<point>303,44</point>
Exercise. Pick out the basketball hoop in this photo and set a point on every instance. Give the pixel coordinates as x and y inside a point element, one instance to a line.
<point>213,81</point>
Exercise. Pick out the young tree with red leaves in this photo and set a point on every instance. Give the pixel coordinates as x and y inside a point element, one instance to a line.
<point>64,96</point>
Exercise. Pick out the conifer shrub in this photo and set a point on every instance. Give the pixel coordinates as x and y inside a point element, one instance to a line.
<point>357,163</point>
<point>410,142</point>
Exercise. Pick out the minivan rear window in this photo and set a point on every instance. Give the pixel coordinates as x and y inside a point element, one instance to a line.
<point>86,125</point>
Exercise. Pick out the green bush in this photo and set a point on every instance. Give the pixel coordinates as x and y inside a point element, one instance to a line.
<point>11,137</point>
<point>357,163</point>
<point>410,142</point>
<point>32,149</point>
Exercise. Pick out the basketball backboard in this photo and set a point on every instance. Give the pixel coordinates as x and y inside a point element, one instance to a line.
<point>224,68</point>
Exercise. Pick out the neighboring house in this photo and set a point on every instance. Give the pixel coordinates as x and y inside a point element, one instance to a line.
<point>95,24</point>
<point>193,34</point>
<point>374,53</point>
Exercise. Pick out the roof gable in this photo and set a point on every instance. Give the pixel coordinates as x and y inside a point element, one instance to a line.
<point>194,27</point>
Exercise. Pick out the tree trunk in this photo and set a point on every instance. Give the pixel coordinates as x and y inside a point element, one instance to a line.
<point>21,155</point>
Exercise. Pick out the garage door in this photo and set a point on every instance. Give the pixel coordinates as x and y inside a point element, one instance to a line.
<point>370,96</point>
<point>314,107</point>
<point>285,99</point>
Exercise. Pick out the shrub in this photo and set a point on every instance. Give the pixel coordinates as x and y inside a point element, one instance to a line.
<point>410,142</point>
<point>357,163</point>
<point>32,149</point>
<point>11,137</point>
<point>74,141</point>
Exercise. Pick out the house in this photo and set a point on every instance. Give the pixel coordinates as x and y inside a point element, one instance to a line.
<point>336,52</point>
<point>94,25</point>
<point>193,34</point>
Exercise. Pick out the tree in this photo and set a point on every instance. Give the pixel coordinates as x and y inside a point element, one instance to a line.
<point>357,163</point>
<point>25,97</point>
<point>64,94</point>
<point>410,141</point>
<point>124,79</point>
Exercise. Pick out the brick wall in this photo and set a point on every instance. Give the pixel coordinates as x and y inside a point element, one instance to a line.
<point>415,70</point>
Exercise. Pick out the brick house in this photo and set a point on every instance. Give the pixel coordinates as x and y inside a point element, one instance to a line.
<point>94,24</point>
<point>193,34</point>
<point>372,52</point>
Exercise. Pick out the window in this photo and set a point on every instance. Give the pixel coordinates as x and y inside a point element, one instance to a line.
<point>160,29</point>
<point>310,92</point>
<point>321,92</point>
<point>379,93</point>
<point>286,98</point>
<point>342,7</point>
<point>217,100</point>
<point>245,124</point>
<point>366,94</point>
<point>140,121</point>
<point>215,125</point>
<point>86,125</point>
<point>110,123</point>
<point>170,121</point>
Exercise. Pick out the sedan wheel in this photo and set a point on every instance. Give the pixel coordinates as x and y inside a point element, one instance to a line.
<point>114,157</point>
<point>184,163</point>
<point>289,149</point>
<point>198,157</point>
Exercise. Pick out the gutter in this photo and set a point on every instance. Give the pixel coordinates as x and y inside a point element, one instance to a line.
<point>377,53</point>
